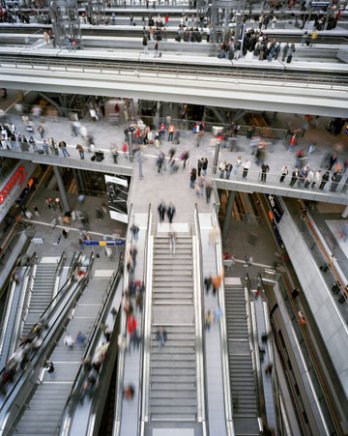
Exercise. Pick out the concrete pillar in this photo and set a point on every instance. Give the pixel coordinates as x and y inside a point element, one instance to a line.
<point>228,213</point>
<point>345,212</point>
<point>216,157</point>
<point>62,191</point>
<point>156,120</point>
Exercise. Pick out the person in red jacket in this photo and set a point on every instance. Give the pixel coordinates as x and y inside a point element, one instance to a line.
<point>132,330</point>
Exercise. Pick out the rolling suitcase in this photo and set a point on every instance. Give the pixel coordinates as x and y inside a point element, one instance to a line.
<point>289,59</point>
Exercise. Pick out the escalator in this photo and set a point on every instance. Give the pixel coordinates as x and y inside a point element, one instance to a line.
<point>83,412</point>
<point>18,388</point>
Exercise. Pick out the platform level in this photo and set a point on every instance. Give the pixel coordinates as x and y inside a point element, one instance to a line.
<point>105,135</point>
<point>125,45</point>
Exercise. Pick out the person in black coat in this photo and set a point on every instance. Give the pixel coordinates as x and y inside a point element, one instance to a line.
<point>324,180</point>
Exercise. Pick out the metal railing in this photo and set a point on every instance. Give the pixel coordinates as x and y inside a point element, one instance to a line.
<point>271,352</point>
<point>123,333</point>
<point>201,318</point>
<point>27,275</point>
<point>223,332</point>
<point>146,326</point>
<point>254,351</point>
<point>23,306</point>
<point>156,70</point>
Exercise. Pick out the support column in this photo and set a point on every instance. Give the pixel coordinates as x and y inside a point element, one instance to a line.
<point>228,213</point>
<point>345,213</point>
<point>79,180</point>
<point>61,187</point>
<point>216,157</point>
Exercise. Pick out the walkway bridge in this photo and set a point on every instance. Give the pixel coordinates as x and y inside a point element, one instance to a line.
<point>242,88</point>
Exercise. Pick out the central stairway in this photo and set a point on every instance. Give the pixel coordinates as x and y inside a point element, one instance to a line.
<point>173,372</point>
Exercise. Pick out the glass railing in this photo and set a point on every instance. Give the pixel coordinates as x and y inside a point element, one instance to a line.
<point>289,184</point>
<point>223,332</point>
<point>200,320</point>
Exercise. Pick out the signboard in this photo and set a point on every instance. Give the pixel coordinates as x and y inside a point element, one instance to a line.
<point>17,179</point>
<point>119,216</point>
<point>117,180</point>
<point>12,186</point>
<point>116,242</point>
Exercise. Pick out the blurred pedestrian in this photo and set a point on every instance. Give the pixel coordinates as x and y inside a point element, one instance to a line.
<point>162,209</point>
<point>171,212</point>
<point>284,173</point>
<point>129,392</point>
<point>208,320</point>
<point>81,151</point>
<point>246,167</point>
<point>208,190</point>
<point>172,242</point>
<point>161,336</point>
<point>207,284</point>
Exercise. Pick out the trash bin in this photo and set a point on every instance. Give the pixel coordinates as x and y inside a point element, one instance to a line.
<point>99,156</point>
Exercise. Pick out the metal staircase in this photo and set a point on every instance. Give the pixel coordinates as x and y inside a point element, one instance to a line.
<point>242,376</point>
<point>41,294</point>
<point>173,372</point>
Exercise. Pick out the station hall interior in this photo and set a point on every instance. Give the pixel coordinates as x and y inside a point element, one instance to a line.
<point>173,217</point>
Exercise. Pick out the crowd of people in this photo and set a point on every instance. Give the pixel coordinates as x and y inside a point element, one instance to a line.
<point>18,361</point>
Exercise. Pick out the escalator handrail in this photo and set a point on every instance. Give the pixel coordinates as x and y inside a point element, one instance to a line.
<point>123,333</point>
<point>54,300</point>
<point>8,297</point>
<point>202,317</point>
<point>74,395</point>
<point>223,332</point>
<point>144,323</point>
<point>40,351</point>
<point>274,374</point>
<point>255,355</point>
<point>93,413</point>
<point>24,300</point>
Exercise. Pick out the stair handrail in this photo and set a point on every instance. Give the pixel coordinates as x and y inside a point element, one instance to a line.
<point>25,298</point>
<point>58,273</point>
<point>64,423</point>
<point>223,331</point>
<point>147,282</point>
<point>203,370</point>
<point>37,358</point>
<point>255,354</point>
<point>122,336</point>
<point>26,278</point>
